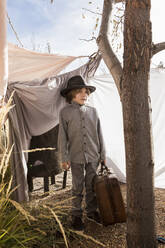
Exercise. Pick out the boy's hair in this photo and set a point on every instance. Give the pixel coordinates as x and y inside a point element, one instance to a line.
<point>72,93</point>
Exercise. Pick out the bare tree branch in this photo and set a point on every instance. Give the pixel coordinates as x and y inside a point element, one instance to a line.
<point>96,13</point>
<point>16,35</point>
<point>93,38</point>
<point>108,55</point>
<point>156,48</point>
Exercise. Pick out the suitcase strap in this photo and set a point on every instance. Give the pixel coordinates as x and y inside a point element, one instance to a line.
<point>104,170</point>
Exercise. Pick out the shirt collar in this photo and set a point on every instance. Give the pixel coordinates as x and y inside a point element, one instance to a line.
<point>77,104</point>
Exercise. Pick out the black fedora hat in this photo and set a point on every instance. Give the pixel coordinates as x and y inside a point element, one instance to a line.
<point>76,82</point>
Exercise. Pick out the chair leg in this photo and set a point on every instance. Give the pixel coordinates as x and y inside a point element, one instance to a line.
<point>46,184</point>
<point>64,180</point>
<point>53,181</point>
<point>30,183</point>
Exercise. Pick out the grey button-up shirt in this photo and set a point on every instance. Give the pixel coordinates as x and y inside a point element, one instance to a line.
<point>80,137</point>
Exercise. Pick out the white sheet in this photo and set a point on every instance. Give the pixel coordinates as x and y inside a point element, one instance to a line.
<point>106,100</point>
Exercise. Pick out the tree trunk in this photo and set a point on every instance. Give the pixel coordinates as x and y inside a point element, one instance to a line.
<point>137,126</point>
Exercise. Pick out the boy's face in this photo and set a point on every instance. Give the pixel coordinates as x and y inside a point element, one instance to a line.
<point>81,96</point>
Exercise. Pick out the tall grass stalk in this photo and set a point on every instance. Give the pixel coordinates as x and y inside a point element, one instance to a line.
<point>14,219</point>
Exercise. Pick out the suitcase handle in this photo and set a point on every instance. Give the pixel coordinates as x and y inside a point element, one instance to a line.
<point>104,170</point>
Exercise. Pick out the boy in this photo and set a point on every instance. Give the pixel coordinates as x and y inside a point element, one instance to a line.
<point>81,147</point>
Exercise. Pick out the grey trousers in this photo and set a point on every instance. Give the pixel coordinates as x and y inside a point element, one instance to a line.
<point>82,175</point>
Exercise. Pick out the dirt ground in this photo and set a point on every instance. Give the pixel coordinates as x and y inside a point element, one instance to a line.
<point>112,236</point>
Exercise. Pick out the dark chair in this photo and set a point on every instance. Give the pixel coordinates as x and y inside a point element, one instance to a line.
<point>41,171</point>
<point>44,163</point>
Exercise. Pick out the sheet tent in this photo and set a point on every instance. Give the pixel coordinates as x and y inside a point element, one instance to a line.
<point>37,102</point>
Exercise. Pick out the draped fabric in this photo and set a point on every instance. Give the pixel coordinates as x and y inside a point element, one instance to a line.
<point>26,65</point>
<point>106,100</point>
<point>36,111</point>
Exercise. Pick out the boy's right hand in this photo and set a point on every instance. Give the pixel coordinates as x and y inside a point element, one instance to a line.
<point>65,165</point>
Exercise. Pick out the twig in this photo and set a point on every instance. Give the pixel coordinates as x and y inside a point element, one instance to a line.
<point>93,38</point>
<point>12,27</point>
<point>96,13</point>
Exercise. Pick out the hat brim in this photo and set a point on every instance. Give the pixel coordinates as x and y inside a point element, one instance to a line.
<point>64,92</point>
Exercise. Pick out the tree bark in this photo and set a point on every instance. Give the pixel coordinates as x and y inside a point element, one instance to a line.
<point>137,126</point>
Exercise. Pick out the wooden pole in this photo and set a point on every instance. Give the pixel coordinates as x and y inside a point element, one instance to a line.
<point>3,50</point>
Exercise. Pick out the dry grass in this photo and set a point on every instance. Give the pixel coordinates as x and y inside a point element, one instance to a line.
<point>39,149</point>
<point>17,224</point>
<point>13,226</point>
<point>53,220</point>
<point>112,236</point>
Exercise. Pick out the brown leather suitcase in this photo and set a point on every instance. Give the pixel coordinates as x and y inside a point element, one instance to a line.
<point>109,197</point>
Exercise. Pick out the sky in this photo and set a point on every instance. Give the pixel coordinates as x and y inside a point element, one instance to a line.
<point>66,25</point>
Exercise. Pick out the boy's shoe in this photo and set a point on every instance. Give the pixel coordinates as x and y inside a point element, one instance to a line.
<point>77,223</point>
<point>94,216</point>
